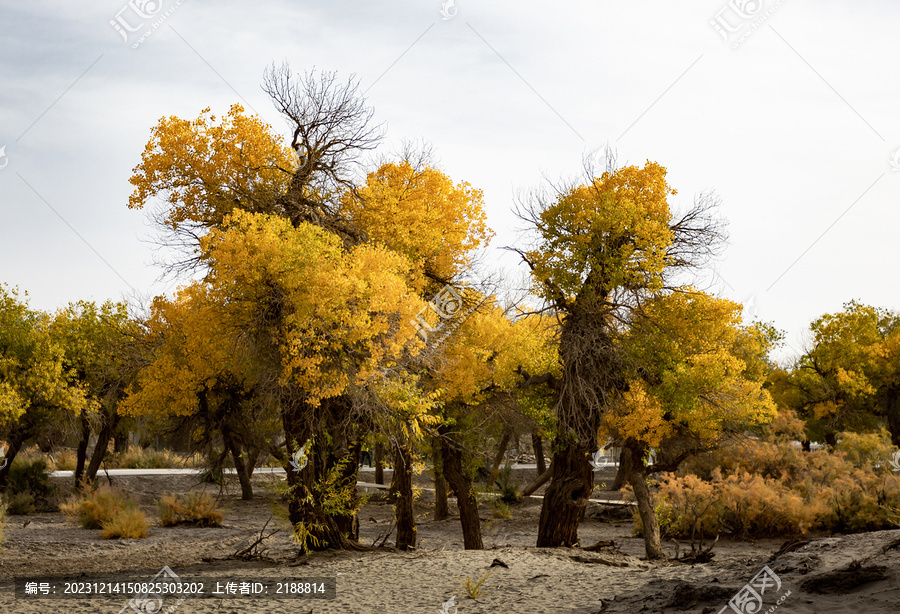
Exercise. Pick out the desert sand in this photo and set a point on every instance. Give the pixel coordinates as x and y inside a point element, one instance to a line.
<point>852,573</point>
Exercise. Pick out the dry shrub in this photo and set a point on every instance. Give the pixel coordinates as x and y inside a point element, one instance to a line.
<point>760,489</point>
<point>110,510</point>
<point>198,509</point>
<point>136,457</point>
<point>764,507</point>
<point>126,524</point>
<point>687,507</point>
<point>96,507</point>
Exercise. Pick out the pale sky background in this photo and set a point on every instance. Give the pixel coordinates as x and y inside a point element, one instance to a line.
<point>794,121</point>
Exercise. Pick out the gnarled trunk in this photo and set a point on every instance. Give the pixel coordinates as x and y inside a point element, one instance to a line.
<point>566,498</point>
<point>465,496</point>
<point>403,499</point>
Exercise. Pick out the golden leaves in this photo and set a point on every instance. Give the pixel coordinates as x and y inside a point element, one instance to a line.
<point>421,214</point>
<point>612,233</point>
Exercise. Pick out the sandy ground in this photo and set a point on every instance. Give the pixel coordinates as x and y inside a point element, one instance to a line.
<point>856,573</point>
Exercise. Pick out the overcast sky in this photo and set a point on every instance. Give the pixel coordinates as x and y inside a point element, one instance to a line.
<point>789,110</point>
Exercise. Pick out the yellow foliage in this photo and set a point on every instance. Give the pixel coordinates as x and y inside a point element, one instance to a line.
<point>205,168</point>
<point>423,215</point>
<point>616,229</point>
<point>699,370</point>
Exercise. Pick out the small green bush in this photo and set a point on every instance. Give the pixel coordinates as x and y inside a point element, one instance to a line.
<point>20,504</point>
<point>30,486</point>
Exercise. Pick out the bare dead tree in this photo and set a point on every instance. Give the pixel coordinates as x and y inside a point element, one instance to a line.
<point>331,128</point>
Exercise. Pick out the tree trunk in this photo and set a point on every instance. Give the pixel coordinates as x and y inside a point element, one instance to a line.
<point>120,442</point>
<point>893,415</point>
<point>465,496</point>
<point>349,524</point>
<point>622,471</point>
<point>239,466</point>
<point>101,447</point>
<point>637,479</point>
<point>498,458</point>
<point>540,481</point>
<point>314,528</point>
<point>81,451</point>
<point>566,497</point>
<point>22,433</point>
<point>379,463</point>
<point>441,509</point>
<point>403,497</point>
<point>252,458</point>
<point>538,445</point>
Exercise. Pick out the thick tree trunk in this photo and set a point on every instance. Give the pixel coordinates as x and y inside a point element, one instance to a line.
<point>315,529</point>
<point>623,469</point>
<point>403,497</point>
<point>81,451</point>
<point>538,445</point>
<point>637,479</point>
<point>239,465</point>
<point>566,498</point>
<point>349,524</point>
<point>379,463</point>
<point>465,496</point>
<point>441,509</point>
